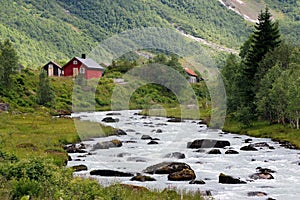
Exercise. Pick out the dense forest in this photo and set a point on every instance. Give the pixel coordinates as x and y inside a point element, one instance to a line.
<point>57,30</point>
<point>263,82</point>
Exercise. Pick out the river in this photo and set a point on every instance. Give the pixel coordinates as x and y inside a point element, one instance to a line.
<point>135,155</point>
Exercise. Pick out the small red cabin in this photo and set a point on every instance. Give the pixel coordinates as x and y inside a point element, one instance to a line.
<point>86,66</point>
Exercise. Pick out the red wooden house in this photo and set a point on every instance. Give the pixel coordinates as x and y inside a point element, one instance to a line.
<point>86,66</point>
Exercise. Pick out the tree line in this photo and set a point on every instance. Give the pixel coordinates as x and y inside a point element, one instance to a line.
<point>263,82</point>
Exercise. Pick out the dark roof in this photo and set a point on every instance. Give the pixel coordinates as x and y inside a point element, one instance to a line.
<point>190,72</point>
<point>90,63</point>
<point>54,63</point>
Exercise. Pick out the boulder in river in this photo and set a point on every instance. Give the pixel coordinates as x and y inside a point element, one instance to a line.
<point>177,155</point>
<point>119,132</point>
<point>225,179</point>
<point>183,175</point>
<point>197,182</point>
<point>107,144</point>
<point>152,142</point>
<point>110,120</point>
<point>261,176</point>
<point>256,194</point>
<point>166,168</point>
<point>231,151</point>
<point>73,148</point>
<point>214,151</point>
<point>113,114</point>
<point>142,178</point>
<point>146,137</point>
<point>175,120</point>
<point>208,143</point>
<point>107,172</point>
<point>248,148</point>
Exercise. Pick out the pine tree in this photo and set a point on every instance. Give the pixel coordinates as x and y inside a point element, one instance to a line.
<point>45,94</point>
<point>8,64</point>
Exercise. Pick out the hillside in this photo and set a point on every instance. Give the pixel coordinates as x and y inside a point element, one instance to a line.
<point>57,30</point>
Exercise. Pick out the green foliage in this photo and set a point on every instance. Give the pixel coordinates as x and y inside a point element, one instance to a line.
<point>45,95</point>
<point>8,64</point>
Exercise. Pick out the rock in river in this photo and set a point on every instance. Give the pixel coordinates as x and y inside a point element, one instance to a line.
<point>225,179</point>
<point>183,175</point>
<point>166,168</point>
<point>78,168</point>
<point>107,172</point>
<point>110,120</point>
<point>107,144</point>
<point>214,151</point>
<point>142,178</point>
<point>208,143</point>
<point>248,148</point>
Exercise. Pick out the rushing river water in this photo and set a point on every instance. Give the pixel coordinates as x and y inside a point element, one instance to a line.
<point>135,155</point>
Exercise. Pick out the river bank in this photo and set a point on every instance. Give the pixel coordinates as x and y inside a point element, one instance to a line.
<point>149,140</point>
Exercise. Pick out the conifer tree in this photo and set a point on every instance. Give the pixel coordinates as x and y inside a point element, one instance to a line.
<point>45,94</point>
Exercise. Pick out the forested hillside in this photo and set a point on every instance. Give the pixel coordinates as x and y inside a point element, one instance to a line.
<point>45,30</point>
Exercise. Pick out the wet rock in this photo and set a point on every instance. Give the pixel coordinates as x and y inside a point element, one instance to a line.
<point>197,182</point>
<point>119,132</point>
<point>256,194</point>
<point>166,168</point>
<point>177,155</point>
<point>214,151</point>
<point>285,144</point>
<point>106,172</point>
<point>152,142</point>
<point>130,130</point>
<point>146,137</point>
<point>155,139</point>
<point>225,179</point>
<point>175,120</point>
<point>142,178</point>
<point>248,148</point>
<point>161,124</point>
<point>159,131</point>
<point>183,175</point>
<point>208,143</point>
<point>78,168</point>
<point>261,176</point>
<point>73,149</point>
<point>230,151</point>
<point>248,140</point>
<point>113,114</point>
<point>110,120</point>
<point>107,144</point>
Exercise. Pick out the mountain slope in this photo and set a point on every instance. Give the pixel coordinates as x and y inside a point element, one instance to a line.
<point>44,30</point>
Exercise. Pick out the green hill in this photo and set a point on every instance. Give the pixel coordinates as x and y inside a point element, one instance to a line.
<point>44,30</point>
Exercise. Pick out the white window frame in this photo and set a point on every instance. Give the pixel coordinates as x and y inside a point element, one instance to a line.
<point>82,70</point>
<point>75,62</point>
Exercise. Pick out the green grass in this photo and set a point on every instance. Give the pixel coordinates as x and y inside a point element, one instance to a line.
<point>264,129</point>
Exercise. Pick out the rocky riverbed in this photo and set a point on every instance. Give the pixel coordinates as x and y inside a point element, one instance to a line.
<point>158,153</point>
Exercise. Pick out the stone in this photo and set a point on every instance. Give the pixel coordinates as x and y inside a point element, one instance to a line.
<point>136,159</point>
<point>78,168</point>
<point>214,151</point>
<point>166,168</point>
<point>107,172</point>
<point>107,144</point>
<point>152,142</point>
<point>248,140</point>
<point>142,178</point>
<point>230,151</point>
<point>208,143</point>
<point>159,131</point>
<point>197,182</point>
<point>119,132</point>
<point>110,120</point>
<point>177,155</point>
<point>261,176</point>
<point>248,148</point>
<point>113,114</point>
<point>73,149</point>
<point>225,179</point>
<point>256,194</point>
<point>146,137</point>
<point>265,170</point>
<point>183,175</point>
<point>175,120</point>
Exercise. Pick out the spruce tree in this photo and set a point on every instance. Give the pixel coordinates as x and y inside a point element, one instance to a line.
<point>45,94</point>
